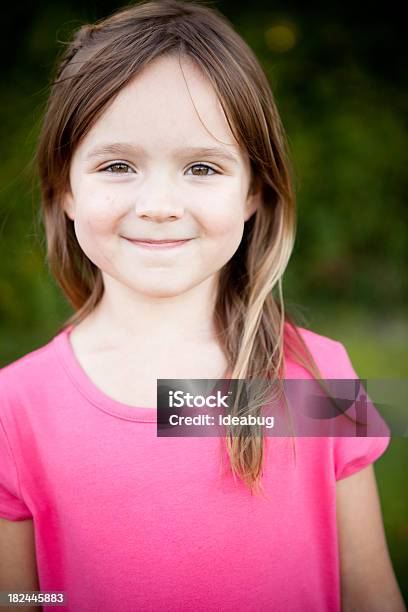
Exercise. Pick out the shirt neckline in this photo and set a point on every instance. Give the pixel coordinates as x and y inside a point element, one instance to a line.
<point>91,392</point>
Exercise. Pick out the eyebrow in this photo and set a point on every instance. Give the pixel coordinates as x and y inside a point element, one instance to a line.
<point>118,148</point>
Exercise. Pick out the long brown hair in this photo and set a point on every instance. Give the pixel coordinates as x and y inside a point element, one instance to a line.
<point>251,322</point>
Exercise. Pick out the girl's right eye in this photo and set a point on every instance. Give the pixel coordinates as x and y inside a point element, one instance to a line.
<point>116,164</point>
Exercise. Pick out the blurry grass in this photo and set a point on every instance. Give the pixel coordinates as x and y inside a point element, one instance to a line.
<point>377,346</point>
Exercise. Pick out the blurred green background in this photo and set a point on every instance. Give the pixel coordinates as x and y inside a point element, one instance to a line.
<point>339,78</point>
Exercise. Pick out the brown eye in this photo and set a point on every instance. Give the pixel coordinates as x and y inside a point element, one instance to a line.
<point>203,168</point>
<point>123,168</point>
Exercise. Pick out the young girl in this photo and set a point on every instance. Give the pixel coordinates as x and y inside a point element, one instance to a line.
<point>170,219</point>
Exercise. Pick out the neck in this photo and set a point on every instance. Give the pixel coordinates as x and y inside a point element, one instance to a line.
<point>124,317</point>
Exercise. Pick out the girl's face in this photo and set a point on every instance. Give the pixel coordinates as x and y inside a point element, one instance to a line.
<point>144,172</point>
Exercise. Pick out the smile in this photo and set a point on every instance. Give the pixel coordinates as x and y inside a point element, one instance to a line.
<point>159,245</point>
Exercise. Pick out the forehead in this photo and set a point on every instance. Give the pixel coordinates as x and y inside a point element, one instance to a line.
<point>165,107</point>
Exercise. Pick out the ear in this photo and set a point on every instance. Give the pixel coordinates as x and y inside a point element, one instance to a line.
<point>254,201</point>
<point>68,204</point>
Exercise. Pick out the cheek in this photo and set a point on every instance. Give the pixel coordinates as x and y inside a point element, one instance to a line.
<point>95,226</point>
<point>223,215</point>
<point>223,222</point>
<point>97,214</point>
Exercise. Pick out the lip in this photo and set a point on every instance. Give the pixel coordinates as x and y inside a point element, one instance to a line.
<point>159,244</point>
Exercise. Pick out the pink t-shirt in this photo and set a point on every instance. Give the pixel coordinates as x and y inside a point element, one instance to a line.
<point>125,520</point>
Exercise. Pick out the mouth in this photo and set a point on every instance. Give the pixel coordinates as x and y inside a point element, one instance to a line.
<point>159,244</point>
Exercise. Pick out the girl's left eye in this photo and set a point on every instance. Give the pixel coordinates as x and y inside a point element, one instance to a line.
<point>205,168</point>
<point>126,167</point>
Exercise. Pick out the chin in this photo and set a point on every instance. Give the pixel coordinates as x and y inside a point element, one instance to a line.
<point>160,291</point>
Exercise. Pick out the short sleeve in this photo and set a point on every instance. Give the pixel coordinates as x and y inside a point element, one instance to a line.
<point>351,454</point>
<point>12,506</point>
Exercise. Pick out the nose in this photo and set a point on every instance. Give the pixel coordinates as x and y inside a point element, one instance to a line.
<point>159,205</point>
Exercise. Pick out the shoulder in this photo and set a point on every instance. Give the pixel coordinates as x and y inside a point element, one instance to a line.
<point>318,342</point>
<point>330,355</point>
<point>356,451</point>
<point>27,372</point>
<point>32,359</point>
